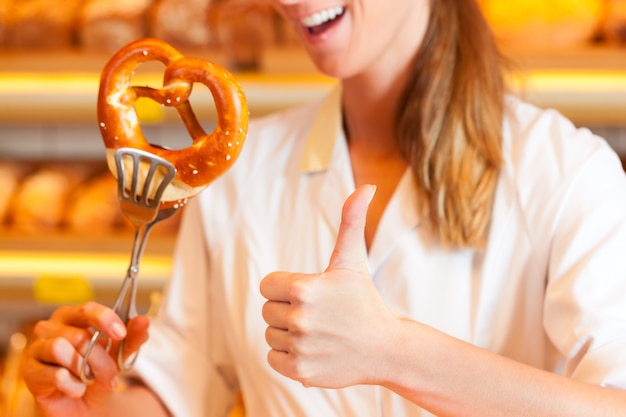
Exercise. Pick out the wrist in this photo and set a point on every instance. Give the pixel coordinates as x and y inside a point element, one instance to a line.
<point>393,352</point>
<point>413,357</point>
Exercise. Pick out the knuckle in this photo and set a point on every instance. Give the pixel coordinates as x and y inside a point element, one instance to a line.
<point>60,312</point>
<point>79,336</point>
<point>300,291</point>
<point>87,307</point>
<point>298,321</point>
<point>60,375</point>
<point>91,310</point>
<point>299,372</point>
<point>59,347</point>
<point>39,330</point>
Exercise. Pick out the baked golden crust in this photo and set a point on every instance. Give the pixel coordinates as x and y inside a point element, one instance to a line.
<point>209,155</point>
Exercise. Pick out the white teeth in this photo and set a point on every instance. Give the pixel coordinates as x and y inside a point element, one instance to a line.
<point>322,16</point>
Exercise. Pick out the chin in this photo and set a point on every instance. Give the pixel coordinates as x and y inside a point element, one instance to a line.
<point>334,66</point>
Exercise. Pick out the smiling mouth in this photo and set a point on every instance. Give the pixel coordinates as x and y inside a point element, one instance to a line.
<point>320,21</point>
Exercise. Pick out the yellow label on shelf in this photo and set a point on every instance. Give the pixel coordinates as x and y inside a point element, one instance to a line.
<point>149,111</point>
<point>50,289</point>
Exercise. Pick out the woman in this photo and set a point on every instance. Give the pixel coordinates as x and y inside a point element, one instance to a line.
<point>483,275</point>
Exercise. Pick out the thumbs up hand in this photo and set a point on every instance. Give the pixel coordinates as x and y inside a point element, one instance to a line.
<point>328,329</point>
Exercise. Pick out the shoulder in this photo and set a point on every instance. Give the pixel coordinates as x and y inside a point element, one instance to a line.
<point>542,147</point>
<point>548,135</point>
<point>556,172</point>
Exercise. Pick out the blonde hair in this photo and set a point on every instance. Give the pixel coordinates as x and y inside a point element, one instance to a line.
<point>450,122</point>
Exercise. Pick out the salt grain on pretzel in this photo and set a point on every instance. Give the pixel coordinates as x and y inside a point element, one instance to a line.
<point>209,155</point>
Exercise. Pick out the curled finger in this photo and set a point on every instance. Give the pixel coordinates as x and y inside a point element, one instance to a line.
<point>137,334</point>
<point>277,339</point>
<point>91,315</point>
<point>128,348</point>
<point>79,337</point>
<point>60,353</point>
<point>44,377</point>
<point>276,313</point>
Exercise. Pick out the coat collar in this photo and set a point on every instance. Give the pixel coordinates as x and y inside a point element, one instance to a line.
<point>325,131</point>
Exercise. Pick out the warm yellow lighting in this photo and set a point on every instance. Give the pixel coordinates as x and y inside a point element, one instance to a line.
<point>571,81</point>
<point>42,83</point>
<point>83,265</point>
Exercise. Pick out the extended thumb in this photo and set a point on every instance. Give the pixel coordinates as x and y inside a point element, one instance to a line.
<point>349,252</point>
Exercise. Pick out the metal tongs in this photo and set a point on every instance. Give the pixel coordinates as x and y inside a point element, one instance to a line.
<point>141,180</point>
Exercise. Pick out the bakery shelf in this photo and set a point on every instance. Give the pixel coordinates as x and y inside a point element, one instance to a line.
<point>62,86</point>
<point>588,97</point>
<point>586,84</point>
<point>71,97</point>
<point>584,57</point>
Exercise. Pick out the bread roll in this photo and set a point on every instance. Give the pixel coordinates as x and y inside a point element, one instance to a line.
<point>244,28</point>
<point>42,23</point>
<point>41,199</point>
<point>108,25</point>
<point>182,23</point>
<point>93,207</point>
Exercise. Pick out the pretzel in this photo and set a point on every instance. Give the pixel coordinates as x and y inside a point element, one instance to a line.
<point>209,155</point>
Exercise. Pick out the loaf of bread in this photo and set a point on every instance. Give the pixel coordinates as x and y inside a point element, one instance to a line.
<point>107,25</point>
<point>93,207</point>
<point>182,23</point>
<point>244,28</point>
<point>42,23</point>
<point>41,199</point>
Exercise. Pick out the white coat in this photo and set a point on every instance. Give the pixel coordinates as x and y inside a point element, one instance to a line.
<point>548,291</point>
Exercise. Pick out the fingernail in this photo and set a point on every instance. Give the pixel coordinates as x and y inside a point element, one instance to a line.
<point>118,330</point>
<point>373,191</point>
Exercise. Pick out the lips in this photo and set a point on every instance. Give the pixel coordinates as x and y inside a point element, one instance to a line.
<point>320,21</point>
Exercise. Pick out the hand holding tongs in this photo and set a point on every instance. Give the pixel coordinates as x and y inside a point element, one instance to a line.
<point>140,199</point>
